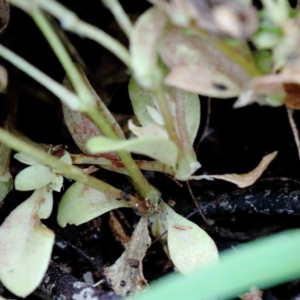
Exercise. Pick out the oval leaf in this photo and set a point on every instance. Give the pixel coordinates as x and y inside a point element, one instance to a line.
<point>207,68</point>
<point>143,48</point>
<point>33,178</point>
<point>79,124</point>
<point>81,204</point>
<point>190,247</point>
<point>25,247</point>
<point>158,148</point>
<point>26,159</point>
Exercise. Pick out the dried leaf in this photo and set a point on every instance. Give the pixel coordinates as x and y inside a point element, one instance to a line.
<point>80,204</point>
<point>190,247</point>
<point>25,247</point>
<point>244,180</point>
<point>143,48</point>
<point>126,274</point>
<point>34,177</point>
<point>158,148</point>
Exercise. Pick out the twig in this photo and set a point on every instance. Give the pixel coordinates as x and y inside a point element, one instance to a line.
<point>120,16</point>
<point>294,128</point>
<point>197,205</point>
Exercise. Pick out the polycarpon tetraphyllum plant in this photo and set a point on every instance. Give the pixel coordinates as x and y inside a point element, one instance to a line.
<point>177,51</point>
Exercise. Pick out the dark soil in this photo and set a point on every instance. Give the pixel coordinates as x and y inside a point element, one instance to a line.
<point>234,142</point>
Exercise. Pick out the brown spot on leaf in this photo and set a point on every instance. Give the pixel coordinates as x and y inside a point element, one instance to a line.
<point>219,86</point>
<point>122,283</point>
<point>133,263</point>
<point>182,227</point>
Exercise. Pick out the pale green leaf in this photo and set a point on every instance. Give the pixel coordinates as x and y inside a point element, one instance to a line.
<point>143,44</point>
<point>45,209</point>
<point>26,159</point>
<point>81,204</point>
<point>25,247</point>
<point>189,246</point>
<point>141,100</point>
<point>155,115</point>
<point>151,129</point>
<point>33,178</point>
<point>158,148</point>
<point>5,188</point>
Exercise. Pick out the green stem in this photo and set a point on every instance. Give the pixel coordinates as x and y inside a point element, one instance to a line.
<point>71,22</point>
<point>57,89</point>
<point>167,115</point>
<point>71,171</point>
<point>118,166</point>
<point>79,85</point>
<point>140,183</point>
<point>120,16</point>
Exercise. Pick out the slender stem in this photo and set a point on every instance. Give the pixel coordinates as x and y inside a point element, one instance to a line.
<point>121,17</point>
<point>73,172</point>
<point>140,183</point>
<point>70,99</point>
<point>167,116</point>
<point>63,56</point>
<point>71,22</point>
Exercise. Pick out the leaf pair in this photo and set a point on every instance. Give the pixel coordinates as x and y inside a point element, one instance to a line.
<point>37,175</point>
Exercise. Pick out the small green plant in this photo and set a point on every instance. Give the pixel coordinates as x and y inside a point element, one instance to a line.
<point>176,52</point>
